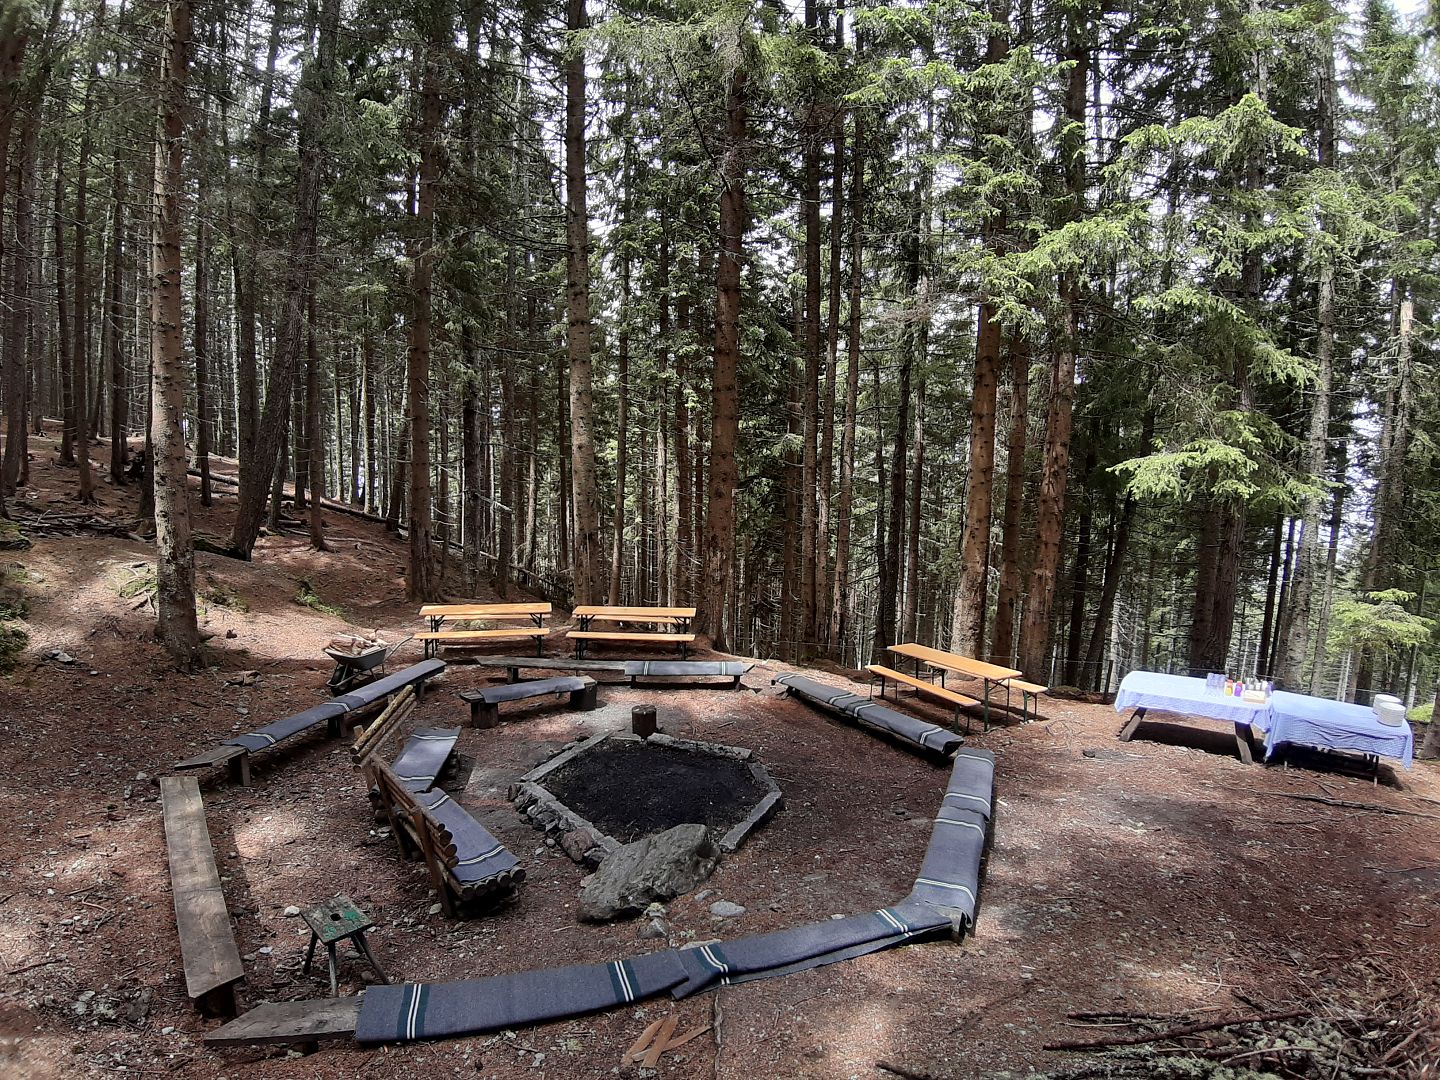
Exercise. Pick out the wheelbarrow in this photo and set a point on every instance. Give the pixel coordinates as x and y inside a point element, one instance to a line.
<point>358,667</point>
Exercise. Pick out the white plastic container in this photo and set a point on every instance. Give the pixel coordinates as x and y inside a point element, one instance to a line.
<point>1391,713</point>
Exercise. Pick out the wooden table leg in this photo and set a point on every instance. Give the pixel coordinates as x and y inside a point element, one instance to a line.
<point>310,953</point>
<point>334,970</point>
<point>1242,743</point>
<point>364,947</point>
<point>1128,731</point>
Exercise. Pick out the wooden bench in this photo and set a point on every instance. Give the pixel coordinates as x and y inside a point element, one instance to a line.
<point>465,862</point>
<point>1029,696</point>
<point>580,637</point>
<point>731,669</point>
<point>988,675</point>
<point>485,703</point>
<point>207,941</point>
<point>514,664</point>
<point>677,617</point>
<point>882,675</point>
<point>436,638</point>
<point>236,752</point>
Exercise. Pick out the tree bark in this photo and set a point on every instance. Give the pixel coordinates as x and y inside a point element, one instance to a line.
<point>582,406</point>
<point>119,392</point>
<point>724,479</point>
<point>1080,572</point>
<point>314,428</point>
<point>204,411</point>
<point>174,545</point>
<point>1002,634</point>
<point>845,506</point>
<point>313,102</point>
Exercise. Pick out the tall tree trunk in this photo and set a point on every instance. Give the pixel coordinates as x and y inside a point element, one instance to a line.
<point>1002,634</point>
<point>1050,518</point>
<point>313,101</point>
<point>810,396</point>
<point>174,545</point>
<point>20,300</point>
<point>1080,573</point>
<point>582,406</point>
<point>14,41</point>
<point>975,544</point>
<point>119,392</point>
<point>1327,592</point>
<point>1265,659</point>
<point>421,582</point>
<point>724,479</point>
<point>314,428</point>
<point>844,512</point>
<point>80,350</point>
<point>823,515</point>
<point>64,339</point>
<point>204,421</point>
<point>911,621</point>
<point>470,459</point>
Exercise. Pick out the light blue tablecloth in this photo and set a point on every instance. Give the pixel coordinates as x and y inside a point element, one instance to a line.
<point>1335,725</point>
<point>1188,697</point>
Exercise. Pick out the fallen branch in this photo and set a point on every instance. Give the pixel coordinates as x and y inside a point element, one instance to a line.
<point>1373,807</point>
<point>1178,1032</point>
<point>37,964</point>
<point>909,1074</point>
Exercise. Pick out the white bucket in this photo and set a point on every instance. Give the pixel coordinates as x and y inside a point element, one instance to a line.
<point>1391,713</point>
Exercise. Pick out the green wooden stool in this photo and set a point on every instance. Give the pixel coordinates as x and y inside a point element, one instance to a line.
<point>331,923</point>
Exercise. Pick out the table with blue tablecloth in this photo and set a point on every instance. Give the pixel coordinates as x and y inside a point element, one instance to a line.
<point>1285,718</point>
<point>1335,725</point>
<point>1181,694</point>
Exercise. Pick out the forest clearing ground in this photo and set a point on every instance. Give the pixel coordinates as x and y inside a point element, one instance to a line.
<point>1151,876</point>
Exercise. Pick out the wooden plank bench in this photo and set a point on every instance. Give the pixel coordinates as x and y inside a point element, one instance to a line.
<point>207,940</point>
<point>641,669</point>
<point>436,638</point>
<point>466,863</point>
<point>881,674</point>
<point>485,703</point>
<point>514,664</point>
<point>580,637</point>
<point>1029,696</point>
<point>677,617</point>
<point>236,752</point>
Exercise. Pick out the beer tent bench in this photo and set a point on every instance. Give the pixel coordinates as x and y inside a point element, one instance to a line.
<point>436,638</point>
<point>236,752</point>
<point>989,675</point>
<point>677,617</point>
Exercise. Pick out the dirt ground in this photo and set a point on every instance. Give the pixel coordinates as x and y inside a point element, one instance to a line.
<point>1158,876</point>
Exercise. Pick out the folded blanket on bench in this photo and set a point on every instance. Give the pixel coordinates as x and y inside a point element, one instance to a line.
<point>430,1010</point>
<point>280,730</point>
<point>424,755</point>
<point>390,684</point>
<point>906,728</point>
<point>519,691</point>
<point>478,855</point>
<point>949,877</point>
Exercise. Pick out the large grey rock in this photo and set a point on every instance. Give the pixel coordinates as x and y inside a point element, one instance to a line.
<point>657,867</point>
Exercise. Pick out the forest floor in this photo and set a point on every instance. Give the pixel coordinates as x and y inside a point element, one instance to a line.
<point>1158,876</point>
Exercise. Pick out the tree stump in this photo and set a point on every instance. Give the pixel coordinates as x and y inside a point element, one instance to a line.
<point>642,721</point>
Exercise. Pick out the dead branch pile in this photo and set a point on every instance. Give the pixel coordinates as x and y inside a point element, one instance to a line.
<point>1369,1021</point>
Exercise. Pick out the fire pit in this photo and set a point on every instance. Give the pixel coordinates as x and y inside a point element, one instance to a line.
<point>614,789</point>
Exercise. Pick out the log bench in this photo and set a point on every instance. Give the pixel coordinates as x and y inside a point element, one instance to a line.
<point>207,941</point>
<point>485,703</point>
<point>236,752</point>
<point>436,637</point>
<point>922,687</point>
<point>465,862</point>
<point>644,669</point>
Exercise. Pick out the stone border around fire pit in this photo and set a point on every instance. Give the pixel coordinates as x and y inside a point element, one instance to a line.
<point>584,842</point>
